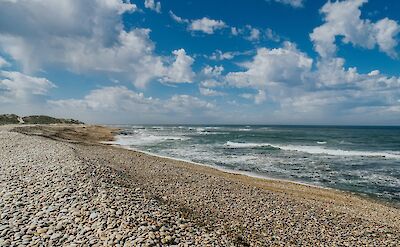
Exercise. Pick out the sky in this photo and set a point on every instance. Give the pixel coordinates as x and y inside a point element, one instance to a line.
<point>202,62</point>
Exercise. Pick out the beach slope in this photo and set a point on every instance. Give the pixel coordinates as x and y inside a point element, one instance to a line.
<point>60,186</point>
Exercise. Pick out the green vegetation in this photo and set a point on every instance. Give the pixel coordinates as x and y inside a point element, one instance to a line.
<point>9,119</point>
<point>37,119</point>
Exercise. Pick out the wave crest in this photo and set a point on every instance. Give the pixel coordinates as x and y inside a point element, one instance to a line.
<point>316,150</point>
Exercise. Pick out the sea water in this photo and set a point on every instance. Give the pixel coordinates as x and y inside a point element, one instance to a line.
<point>363,160</point>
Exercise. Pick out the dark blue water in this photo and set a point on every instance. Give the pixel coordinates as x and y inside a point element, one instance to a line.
<point>365,160</point>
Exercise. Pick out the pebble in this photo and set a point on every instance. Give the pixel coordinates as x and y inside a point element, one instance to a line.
<point>55,193</point>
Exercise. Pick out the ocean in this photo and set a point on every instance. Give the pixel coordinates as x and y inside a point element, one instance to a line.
<point>362,160</point>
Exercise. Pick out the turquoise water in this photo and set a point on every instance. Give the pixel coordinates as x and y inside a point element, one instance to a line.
<point>365,160</point>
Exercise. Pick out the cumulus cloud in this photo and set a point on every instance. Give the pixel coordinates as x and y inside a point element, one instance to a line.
<point>206,25</point>
<point>272,66</point>
<point>218,55</point>
<point>331,72</point>
<point>254,34</point>
<point>180,70</point>
<point>211,83</point>
<point>212,79</point>
<point>187,104</point>
<point>234,31</point>
<point>17,88</point>
<point>213,71</point>
<point>258,97</point>
<point>153,5</point>
<point>272,35</point>
<point>293,3</point>
<point>85,38</point>
<point>210,92</point>
<point>346,92</point>
<point>343,18</point>
<point>118,98</point>
<point>386,31</point>
<point>210,26</point>
<point>125,104</point>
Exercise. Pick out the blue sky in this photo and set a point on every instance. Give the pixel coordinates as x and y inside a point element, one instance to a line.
<point>209,62</point>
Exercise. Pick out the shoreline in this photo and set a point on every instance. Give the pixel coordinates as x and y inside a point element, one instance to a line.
<point>162,201</point>
<point>251,175</point>
<point>222,169</point>
<point>368,197</point>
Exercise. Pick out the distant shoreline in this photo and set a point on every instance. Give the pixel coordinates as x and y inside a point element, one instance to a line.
<point>263,125</point>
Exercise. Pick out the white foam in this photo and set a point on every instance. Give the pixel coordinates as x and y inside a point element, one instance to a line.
<point>212,128</point>
<point>244,129</point>
<point>230,144</point>
<point>321,142</point>
<point>337,152</point>
<point>224,169</point>
<point>145,139</point>
<point>316,150</point>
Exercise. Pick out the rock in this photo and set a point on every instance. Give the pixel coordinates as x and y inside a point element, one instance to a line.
<point>167,239</point>
<point>60,226</point>
<point>93,216</point>
<point>42,230</point>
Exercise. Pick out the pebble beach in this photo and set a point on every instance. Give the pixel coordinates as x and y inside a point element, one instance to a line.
<point>59,186</point>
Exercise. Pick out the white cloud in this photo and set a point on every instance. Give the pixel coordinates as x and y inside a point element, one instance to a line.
<point>386,31</point>
<point>187,104</point>
<point>345,92</point>
<point>118,98</point>
<point>258,98</point>
<point>3,62</point>
<point>293,3</point>
<point>213,79</point>
<point>247,32</point>
<point>126,104</point>
<point>213,71</point>
<point>86,37</point>
<point>210,92</point>
<point>218,55</point>
<point>211,83</point>
<point>254,34</point>
<point>177,18</point>
<point>331,72</point>
<point>343,18</point>
<point>272,71</point>
<point>234,31</point>
<point>374,73</point>
<point>153,5</point>
<point>206,25</point>
<point>18,88</point>
<point>180,71</point>
<point>271,66</point>
<point>271,35</point>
